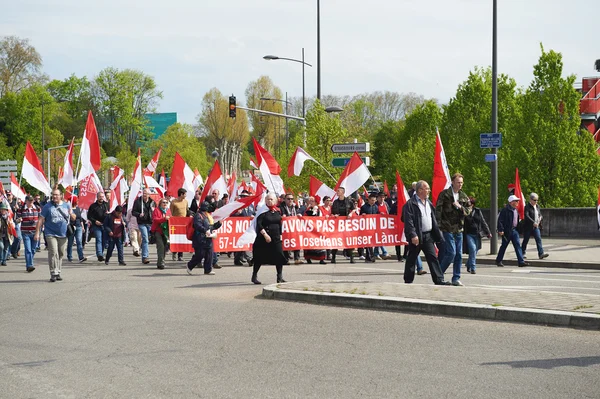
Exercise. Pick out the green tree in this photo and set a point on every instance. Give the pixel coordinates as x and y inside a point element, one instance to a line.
<point>385,148</point>
<point>263,126</point>
<point>74,96</point>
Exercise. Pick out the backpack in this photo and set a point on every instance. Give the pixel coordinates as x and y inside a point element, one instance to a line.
<point>189,229</point>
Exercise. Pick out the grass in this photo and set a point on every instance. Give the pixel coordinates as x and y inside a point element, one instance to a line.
<point>380,293</point>
<point>582,307</point>
<point>496,304</point>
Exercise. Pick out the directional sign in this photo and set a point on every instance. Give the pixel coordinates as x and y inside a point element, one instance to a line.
<point>350,148</point>
<point>342,162</point>
<point>491,157</point>
<point>490,140</point>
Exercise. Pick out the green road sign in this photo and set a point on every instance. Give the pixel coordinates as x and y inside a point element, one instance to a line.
<point>342,162</point>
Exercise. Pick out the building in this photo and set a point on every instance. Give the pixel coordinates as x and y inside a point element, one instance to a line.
<point>589,106</point>
<point>159,122</point>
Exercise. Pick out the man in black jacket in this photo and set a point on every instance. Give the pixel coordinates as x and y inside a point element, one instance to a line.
<point>96,215</point>
<point>532,225</point>
<point>142,209</point>
<point>370,208</point>
<point>421,231</point>
<point>508,220</point>
<point>342,206</point>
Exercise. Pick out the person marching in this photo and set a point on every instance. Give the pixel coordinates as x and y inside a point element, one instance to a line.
<point>114,227</point>
<point>342,206</point>
<point>179,207</point>
<point>202,242</point>
<point>508,220</point>
<point>370,208</point>
<point>160,216</point>
<point>96,215</point>
<point>29,214</point>
<point>475,229</point>
<point>267,248</point>
<point>312,209</point>
<point>77,224</point>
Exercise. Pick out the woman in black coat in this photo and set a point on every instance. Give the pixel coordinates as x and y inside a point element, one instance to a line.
<point>475,229</point>
<point>267,248</point>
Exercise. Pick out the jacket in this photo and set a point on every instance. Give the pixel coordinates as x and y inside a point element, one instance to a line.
<point>450,219</point>
<point>530,217</point>
<point>367,209</point>
<point>505,220</point>
<point>109,223</point>
<point>97,212</point>
<point>342,207</point>
<point>411,216</point>
<point>201,226</point>
<point>475,224</point>
<point>148,208</point>
<point>158,218</point>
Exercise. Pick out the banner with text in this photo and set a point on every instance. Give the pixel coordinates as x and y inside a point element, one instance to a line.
<point>300,232</point>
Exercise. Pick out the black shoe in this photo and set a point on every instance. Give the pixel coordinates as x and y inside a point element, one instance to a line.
<point>160,267</point>
<point>281,280</point>
<point>30,269</point>
<point>524,264</point>
<point>333,260</point>
<point>352,259</point>
<point>145,261</point>
<point>472,271</point>
<point>3,264</point>
<point>180,259</point>
<point>136,254</point>
<point>100,258</point>
<point>499,264</point>
<point>255,280</point>
<point>216,266</point>
<point>322,262</point>
<point>309,261</point>
<point>468,270</point>
<point>250,262</point>
<point>122,264</point>
<point>52,278</point>
<point>58,277</point>
<point>238,264</point>
<point>443,283</point>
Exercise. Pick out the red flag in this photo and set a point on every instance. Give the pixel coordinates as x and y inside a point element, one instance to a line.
<point>232,186</point>
<point>67,177</point>
<point>15,188</point>
<point>154,162</point>
<point>33,172</point>
<point>297,162</point>
<point>441,176</point>
<point>386,190</point>
<point>319,189</point>
<point>355,174</point>
<point>163,180</point>
<point>233,206</point>
<point>89,187</point>
<point>253,163</point>
<point>214,181</point>
<point>90,149</point>
<point>402,200</point>
<point>182,176</point>
<point>519,193</point>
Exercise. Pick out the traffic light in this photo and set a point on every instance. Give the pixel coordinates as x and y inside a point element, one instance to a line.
<point>232,106</point>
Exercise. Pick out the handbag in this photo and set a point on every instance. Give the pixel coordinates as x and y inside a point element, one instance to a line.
<point>70,229</point>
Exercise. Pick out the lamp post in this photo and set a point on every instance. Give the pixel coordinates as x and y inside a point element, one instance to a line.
<point>274,57</point>
<point>318,50</point>
<point>494,166</point>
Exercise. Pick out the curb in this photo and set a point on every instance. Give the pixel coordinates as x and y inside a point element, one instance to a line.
<point>438,308</point>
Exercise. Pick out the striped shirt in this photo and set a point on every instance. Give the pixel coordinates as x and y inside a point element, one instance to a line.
<point>29,218</point>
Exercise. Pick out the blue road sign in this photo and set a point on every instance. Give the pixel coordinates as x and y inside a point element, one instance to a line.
<point>490,140</point>
<point>491,157</point>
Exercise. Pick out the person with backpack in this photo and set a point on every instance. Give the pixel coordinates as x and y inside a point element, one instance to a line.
<point>204,230</point>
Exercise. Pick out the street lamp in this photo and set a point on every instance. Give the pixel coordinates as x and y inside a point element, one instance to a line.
<point>274,57</point>
<point>333,109</point>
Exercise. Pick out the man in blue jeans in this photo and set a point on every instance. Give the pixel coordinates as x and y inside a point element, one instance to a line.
<point>29,214</point>
<point>96,215</point>
<point>452,207</point>
<point>508,219</point>
<point>142,210</point>
<point>532,224</point>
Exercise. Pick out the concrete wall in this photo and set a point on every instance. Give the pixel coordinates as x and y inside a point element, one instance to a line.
<point>566,222</point>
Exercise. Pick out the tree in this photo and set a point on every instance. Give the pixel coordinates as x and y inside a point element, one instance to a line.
<point>74,96</point>
<point>228,136</point>
<point>384,149</point>
<point>181,138</point>
<point>20,65</point>
<point>264,126</point>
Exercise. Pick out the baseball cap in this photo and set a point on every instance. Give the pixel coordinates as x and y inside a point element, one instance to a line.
<point>513,198</point>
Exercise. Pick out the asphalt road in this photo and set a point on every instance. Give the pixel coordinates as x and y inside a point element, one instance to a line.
<point>135,331</point>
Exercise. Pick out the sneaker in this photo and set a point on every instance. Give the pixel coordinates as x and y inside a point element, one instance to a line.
<point>210,273</point>
<point>378,257</point>
<point>161,267</point>
<point>422,272</point>
<point>136,254</point>
<point>30,269</point>
<point>106,263</point>
<point>122,264</point>
<point>216,266</point>
<point>362,257</point>
<point>101,258</point>
<point>188,270</point>
<point>472,271</point>
<point>457,283</point>
<point>58,277</point>
<point>82,260</point>
<point>543,256</point>
<point>145,261</point>
<point>37,250</point>
<point>70,260</point>
<point>3,264</point>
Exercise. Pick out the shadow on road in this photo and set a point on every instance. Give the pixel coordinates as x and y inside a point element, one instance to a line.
<point>212,285</point>
<point>550,363</point>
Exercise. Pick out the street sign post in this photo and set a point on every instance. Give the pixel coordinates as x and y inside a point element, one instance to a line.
<point>490,140</point>
<point>342,162</point>
<point>491,157</point>
<point>350,148</point>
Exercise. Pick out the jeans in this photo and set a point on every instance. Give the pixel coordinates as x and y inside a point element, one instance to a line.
<point>101,239</point>
<point>419,263</point>
<point>145,230</point>
<point>4,249</point>
<point>384,252</point>
<point>452,254</point>
<point>537,235</point>
<point>514,238</point>
<point>16,245</point>
<point>472,247</point>
<point>29,244</point>
<point>112,242</point>
<point>77,237</point>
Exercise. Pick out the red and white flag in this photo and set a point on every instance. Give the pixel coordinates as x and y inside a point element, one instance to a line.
<point>519,193</point>
<point>15,188</point>
<point>89,187</point>
<point>355,174</point>
<point>162,180</point>
<point>214,181</point>
<point>32,171</point>
<point>67,178</point>
<point>182,176</point>
<point>154,162</point>
<point>242,187</point>
<point>402,200</point>
<point>118,188</point>
<point>232,186</point>
<point>269,169</point>
<point>233,206</point>
<point>441,175</point>
<point>297,162</point>
<point>318,188</point>
<point>197,180</point>
<point>136,184</point>
<point>386,190</point>
<point>253,163</point>
<point>89,155</point>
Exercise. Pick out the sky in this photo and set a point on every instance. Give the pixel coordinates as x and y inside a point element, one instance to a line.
<point>190,46</point>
